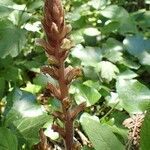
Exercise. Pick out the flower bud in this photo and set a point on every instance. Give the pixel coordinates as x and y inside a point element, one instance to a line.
<point>72,74</point>
<point>66,44</point>
<point>52,60</point>
<point>68,28</point>
<point>54,28</point>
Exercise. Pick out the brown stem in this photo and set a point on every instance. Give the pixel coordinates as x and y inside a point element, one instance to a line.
<point>69,133</point>
<point>65,94</point>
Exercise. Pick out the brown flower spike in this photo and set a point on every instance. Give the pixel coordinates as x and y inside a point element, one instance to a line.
<point>57,46</point>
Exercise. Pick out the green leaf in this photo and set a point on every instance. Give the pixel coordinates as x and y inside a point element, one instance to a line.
<point>32,88</point>
<point>127,26</point>
<point>115,12</point>
<point>12,39</point>
<point>86,94</point>
<point>8,139</point>
<point>5,8</point>
<point>128,74</point>
<point>87,148</point>
<point>4,11</point>
<point>119,14</point>
<point>110,26</point>
<point>29,127</point>
<point>12,75</point>
<point>90,36</point>
<point>18,17</point>
<point>90,73</point>
<point>142,17</point>
<point>112,50</point>
<point>92,84</point>
<point>107,70</point>
<point>136,44</point>
<point>130,63</point>
<point>97,4</point>
<point>77,36</point>
<point>113,101</point>
<point>139,47</point>
<point>42,80</point>
<point>26,116</point>
<point>89,56</point>
<point>144,133</point>
<point>100,135</point>
<point>49,131</point>
<point>33,5</point>
<point>147,1</point>
<point>135,97</point>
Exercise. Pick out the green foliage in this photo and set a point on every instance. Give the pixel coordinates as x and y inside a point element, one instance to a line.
<point>134,95</point>
<point>113,48</point>
<point>144,132</point>
<point>9,141</point>
<point>99,134</point>
<point>86,94</point>
<point>12,39</point>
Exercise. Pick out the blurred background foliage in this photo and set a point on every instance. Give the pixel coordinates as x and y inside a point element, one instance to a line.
<point>112,46</point>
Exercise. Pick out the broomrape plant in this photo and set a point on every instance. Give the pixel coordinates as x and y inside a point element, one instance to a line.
<point>57,46</point>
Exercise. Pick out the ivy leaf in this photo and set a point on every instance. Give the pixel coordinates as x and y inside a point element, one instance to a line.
<point>32,88</point>
<point>113,101</point>
<point>86,94</point>
<point>90,36</point>
<point>29,128</point>
<point>26,116</point>
<point>8,139</point>
<point>112,50</point>
<point>98,4</point>
<point>4,11</point>
<point>89,56</point>
<point>135,97</point>
<point>5,8</point>
<point>114,12</point>
<point>107,70</point>
<point>142,17</point>
<point>144,133</point>
<point>127,74</point>
<point>100,135</point>
<point>139,47</point>
<point>49,131</point>
<point>110,26</point>
<point>12,39</point>
<point>130,63</point>
<point>119,14</point>
<point>12,75</point>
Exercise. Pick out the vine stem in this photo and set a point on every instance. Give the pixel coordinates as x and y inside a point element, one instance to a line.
<point>110,111</point>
